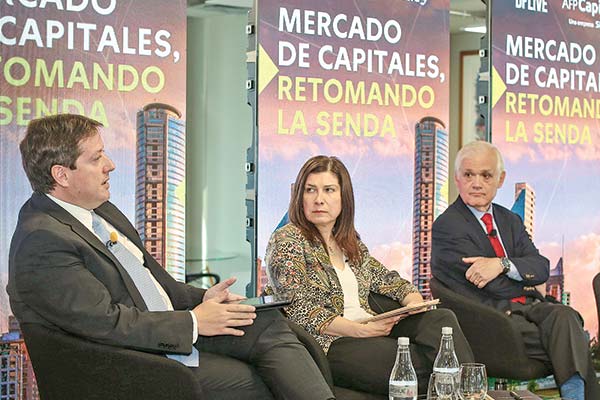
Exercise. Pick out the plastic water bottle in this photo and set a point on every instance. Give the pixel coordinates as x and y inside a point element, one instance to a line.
<point>446,367</point>
<point>403,379</point>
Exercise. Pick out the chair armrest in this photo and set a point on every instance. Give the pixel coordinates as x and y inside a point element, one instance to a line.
<point>69,367</point>
<point>489,331</point>
<point>314,349</point>
<point>380,303</point>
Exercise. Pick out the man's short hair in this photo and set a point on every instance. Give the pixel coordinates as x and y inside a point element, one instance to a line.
<point>50,141</point>
<point>475,147</point>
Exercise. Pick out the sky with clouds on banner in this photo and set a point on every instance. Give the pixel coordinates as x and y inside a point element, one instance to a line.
<point>297,120</point>
<point>546,122</point>
<point>106,60</point>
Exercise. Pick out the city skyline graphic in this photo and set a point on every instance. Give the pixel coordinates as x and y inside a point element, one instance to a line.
<point>86,80</point>
<point>549,136</point>
<point>382,165</point>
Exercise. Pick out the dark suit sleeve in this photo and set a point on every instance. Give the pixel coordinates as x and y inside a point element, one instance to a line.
<point>52,278</point>
<point>532,266</point>
<point>451,242</point>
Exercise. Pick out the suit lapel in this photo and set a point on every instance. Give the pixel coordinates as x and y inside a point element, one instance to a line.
<point>60,214</point>
<point>123,225</point>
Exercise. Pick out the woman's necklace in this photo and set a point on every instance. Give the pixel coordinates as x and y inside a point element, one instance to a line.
<point>331,247</point>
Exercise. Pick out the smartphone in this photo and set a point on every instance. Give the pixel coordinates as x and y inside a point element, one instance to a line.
<point>267,302</point>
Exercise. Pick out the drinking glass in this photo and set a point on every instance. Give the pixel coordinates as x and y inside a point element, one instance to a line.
<point>473,381</point>
<point>441,386</point>
<point>431,393</point>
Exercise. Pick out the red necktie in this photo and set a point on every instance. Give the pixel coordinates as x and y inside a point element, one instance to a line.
<point>495,242</point>
<point>493,235</point>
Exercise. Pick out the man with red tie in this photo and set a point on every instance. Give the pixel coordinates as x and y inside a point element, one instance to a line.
<point>482,250</point>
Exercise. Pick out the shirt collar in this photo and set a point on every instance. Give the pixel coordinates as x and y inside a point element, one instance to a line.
<point>80,214</point>
<point>478,214</point>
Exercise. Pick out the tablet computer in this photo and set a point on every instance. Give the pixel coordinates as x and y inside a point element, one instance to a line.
<point>414,308</point>
<point>276,300</point>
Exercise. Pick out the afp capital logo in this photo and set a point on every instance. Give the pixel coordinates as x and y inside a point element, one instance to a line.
<point>569,4</point>
<point>584,6</point>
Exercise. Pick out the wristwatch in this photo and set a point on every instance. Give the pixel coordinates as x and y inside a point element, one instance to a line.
<point>505,265</point>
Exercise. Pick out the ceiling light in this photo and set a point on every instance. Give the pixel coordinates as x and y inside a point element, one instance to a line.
<point>460,13</point>
<point>475,29</point>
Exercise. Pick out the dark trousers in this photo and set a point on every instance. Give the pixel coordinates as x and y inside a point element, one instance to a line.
<point>553,333</point>
<point>366,363</point>
<point>267,362</point>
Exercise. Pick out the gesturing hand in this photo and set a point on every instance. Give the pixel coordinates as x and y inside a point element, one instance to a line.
<point>218,318</point>
<point>220,288</point>
<point>482,270</point>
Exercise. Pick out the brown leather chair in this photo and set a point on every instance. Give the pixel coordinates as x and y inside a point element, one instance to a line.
<point>495,341</point>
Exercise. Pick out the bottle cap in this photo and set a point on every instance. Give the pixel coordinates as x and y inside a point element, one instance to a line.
<point>447,330</point>
<point>403,341</point>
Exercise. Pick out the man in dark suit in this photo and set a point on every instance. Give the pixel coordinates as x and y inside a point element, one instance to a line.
<point>482,250</point>
<point>65,275</point>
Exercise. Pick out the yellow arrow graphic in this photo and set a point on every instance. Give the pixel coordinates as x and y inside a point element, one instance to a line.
<point>266,69</point>
<point>498,86</point>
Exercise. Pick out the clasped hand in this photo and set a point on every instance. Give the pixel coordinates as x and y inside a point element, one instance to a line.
<point>215,316</point>
<point>482,270</point>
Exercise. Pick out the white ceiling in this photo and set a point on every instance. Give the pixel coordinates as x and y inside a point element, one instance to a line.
<point>473,10</point>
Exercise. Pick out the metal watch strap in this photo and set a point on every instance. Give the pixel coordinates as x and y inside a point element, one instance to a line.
<point>505,265</point>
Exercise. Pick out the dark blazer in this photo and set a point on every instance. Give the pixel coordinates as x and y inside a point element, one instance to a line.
<point>457,234</point>
<point>63,277</point>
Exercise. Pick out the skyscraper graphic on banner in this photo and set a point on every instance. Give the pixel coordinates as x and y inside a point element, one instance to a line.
<point>17,380</point>
<point>555,286</point>
<point>430,193</point>
<point>524,205</point>
<point>160,185</point>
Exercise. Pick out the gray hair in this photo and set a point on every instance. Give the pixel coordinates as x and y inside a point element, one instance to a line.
<point>474,148</point>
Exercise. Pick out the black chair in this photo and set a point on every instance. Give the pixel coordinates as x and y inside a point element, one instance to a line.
<point>495,341</point>
<point>320,358</point>
<point>379,304</point>
<point>68,367</point>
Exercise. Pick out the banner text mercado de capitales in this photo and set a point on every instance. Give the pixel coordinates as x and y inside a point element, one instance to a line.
<point>551,82</point>
<point>18,30</point>
<point>328,57</point>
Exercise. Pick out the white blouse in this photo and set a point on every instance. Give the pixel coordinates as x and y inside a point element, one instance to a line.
<point>352,309</point>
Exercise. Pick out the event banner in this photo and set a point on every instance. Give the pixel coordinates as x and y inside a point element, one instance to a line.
<point>121,62</point>
<point>546,121</point>
<point>355,80</point>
